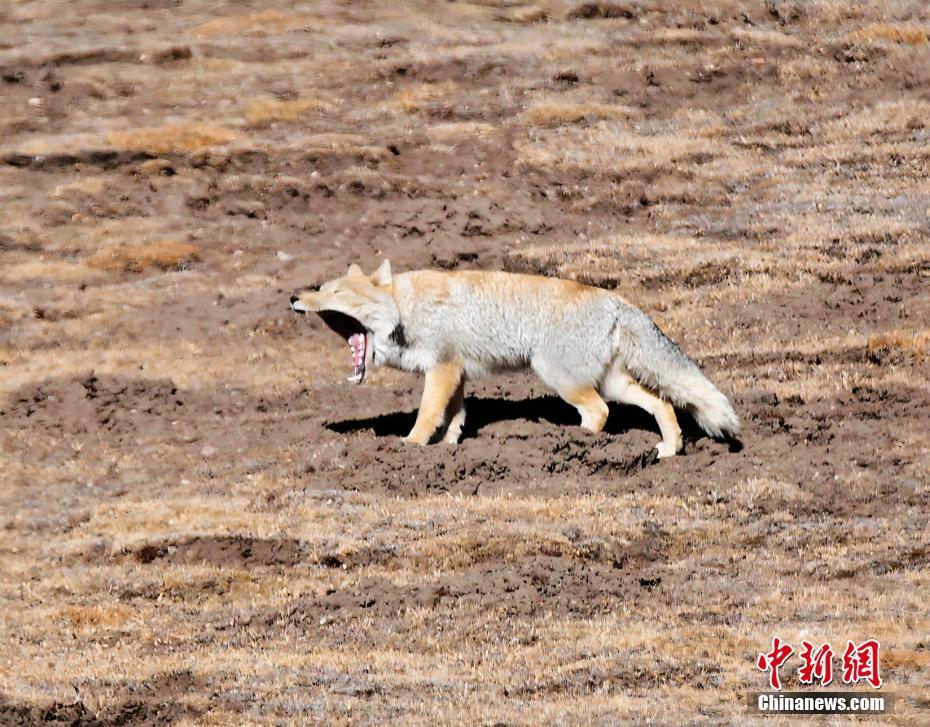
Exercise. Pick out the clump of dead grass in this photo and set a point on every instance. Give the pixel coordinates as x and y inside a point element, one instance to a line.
<point>58,271</point>
<point>528,14</point>
<point>97,616</point>
<point>751,38</point>
<point>684,36</point>
<point>155,168</point>
<point>172,137</point>
<point>422,97</point>
<point>905,34</point>
<point>556,113</point>
<point>600,11</point>
<point>610,147</point>
<point>906,658</point>
<point>270,110</point>
<point>136,258</point>
<point>263,22</point>
<point>91,187</point>
<point>914,343</point>
<point>459,130</point>
<point>883,119</point>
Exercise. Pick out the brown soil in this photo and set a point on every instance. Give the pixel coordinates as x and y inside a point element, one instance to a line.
<point>177,446</point>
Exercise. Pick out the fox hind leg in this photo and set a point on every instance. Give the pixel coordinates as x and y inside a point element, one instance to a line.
<point>621,387</point>
<point>584,398</point>
<point>590,405</point>
<point>442,382</point>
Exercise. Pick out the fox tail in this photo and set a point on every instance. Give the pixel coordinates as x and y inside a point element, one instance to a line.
<point>658,363</point>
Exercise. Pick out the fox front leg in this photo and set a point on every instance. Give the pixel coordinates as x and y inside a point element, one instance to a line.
<point>442,382</point>
<point>455,414</point>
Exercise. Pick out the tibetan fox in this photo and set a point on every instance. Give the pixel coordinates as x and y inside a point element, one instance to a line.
<point>586,343</point>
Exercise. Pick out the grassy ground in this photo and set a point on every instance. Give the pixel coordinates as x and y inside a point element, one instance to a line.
<point>201,524</point>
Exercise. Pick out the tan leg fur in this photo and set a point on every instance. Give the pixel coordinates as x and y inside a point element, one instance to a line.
<point>620,386</point>
<point>455,414</point>
<point>590,405</point>
<point>442,381</point>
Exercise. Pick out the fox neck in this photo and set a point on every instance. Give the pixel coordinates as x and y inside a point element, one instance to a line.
<point>395,342</point>
<point>397,348</point>
<point>392,349</point>
<point>390,338</point>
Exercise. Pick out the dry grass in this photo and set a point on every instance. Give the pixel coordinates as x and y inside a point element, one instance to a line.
<point>555,113</point>
<point>684,36</point>
<point>456,131</point>
<point>183,137</point>
<point>263,22</point>
<point>762,39</point>
<point>265,111</point>
<point>200,524</point>
<point>422,97</point>
<point>97,616</point>
<point>525,14</point>
<point>91,186</point>
<point>909,34</point>
<point>610,148</point>
<point>599,10</point>
<point>159,254</point>
<point>910,342</point>
<point>45,270</point>
<point>567,668</point>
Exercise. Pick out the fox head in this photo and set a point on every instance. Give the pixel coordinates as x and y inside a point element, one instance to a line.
<point>358,307</point>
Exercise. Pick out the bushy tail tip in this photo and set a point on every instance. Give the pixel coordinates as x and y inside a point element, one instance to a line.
<point>660,365</point>
<point>713,413</point>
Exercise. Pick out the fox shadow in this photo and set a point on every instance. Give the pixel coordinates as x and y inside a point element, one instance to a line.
<point>482,411</point>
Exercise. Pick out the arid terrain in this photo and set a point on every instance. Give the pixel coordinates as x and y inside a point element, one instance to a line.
<point>202,522</point>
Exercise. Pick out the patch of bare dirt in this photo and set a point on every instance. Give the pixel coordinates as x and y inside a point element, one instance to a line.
<point>150,703</point>
<point>175,441</point>
<point>554,584</point>
<point>231,551</point>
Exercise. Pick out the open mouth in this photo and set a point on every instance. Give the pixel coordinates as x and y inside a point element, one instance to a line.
<point>357,335</point>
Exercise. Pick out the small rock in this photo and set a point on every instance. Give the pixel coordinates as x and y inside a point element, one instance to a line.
<point>208,451</point>
<point>156,167</point>
<point>245,207</point>
<point>284,257</point>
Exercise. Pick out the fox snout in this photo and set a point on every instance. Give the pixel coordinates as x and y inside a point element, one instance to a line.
<point>294,307</point>
<point>295,298</point>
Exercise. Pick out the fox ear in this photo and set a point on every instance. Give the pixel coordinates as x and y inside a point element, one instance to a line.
<point>354,271</point>
<point>382,276</point>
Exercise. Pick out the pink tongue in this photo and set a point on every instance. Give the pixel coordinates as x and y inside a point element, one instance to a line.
<point>356,341</point>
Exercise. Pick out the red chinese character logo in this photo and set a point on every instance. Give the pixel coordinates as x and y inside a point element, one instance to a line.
<point>861,662</point>
<point>772,661</point>
<point>817,665</point>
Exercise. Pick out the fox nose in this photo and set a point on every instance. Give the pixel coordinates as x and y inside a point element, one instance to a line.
<point>293,299</point>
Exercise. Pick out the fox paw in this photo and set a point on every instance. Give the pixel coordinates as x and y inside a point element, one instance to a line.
<point>453,434</point>
<point>414,439</point>
<point>666,450</point>
<point>454,430</point>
